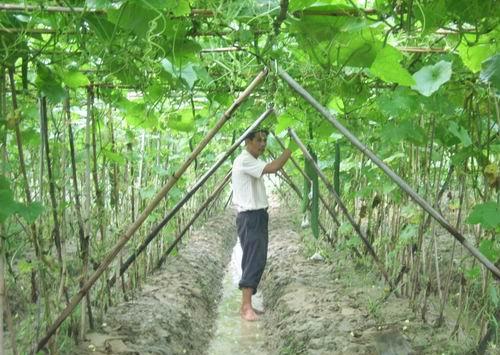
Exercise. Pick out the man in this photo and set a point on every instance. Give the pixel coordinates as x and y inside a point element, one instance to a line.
<point>250,199</point>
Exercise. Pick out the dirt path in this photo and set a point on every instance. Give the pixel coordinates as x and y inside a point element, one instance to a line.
<point>315,307</point>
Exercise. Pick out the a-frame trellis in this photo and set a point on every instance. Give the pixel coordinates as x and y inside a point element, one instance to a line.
<point>226,116</point>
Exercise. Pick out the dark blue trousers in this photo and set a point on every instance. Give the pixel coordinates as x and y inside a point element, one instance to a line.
<point>252,229</point>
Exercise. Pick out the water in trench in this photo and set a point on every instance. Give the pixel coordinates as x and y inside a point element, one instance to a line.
<point>233,335</point>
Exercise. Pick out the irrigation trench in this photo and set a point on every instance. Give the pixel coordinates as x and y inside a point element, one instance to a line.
<point>312,307</point>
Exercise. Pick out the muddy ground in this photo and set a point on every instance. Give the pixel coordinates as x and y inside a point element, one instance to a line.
<point>174,312</point>
<point>335,307</point>
<point>315,307</point>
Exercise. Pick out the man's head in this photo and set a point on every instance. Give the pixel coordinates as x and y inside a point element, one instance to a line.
<point>256,142</point>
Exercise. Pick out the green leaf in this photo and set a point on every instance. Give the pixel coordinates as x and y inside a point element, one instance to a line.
<point>202,74</point>
<point>182,8</point>
<point>398,103</point>
<point>49,84</point>
<point>489,250</point>
<point>284,121</point>
<point>356,49</point>
<point>114,157</point>
<point>300,4</point>
<point>182,121</point>
<point>473,273</point>
<point>336,104</point>
<point>25,267</point>
<point>432,15</point>
<point>31,212</point>
<point>491,71</point>
<point>4,183</point>
<point>474,56</point>
<point>487,214</point>
<point>134,17</point>
<point>75,79</point>
<point>9,206</point>
<point>103,28</point>
<point>404,131</point>
<point>430,78</point>
<point>461,133</point>
<point>386,66</point>
<point>188,74</point>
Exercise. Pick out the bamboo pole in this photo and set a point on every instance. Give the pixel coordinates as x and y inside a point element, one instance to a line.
<point>66,9</point>
<point>294,187</point>
<point>392,175</point>
<point>335,13</point>
<point>297,166</point>
<point>188,196</point>
<point>52,186</point>
<point>221,50</point>
<point>193,219</point>
<point>343,208</point>
<point>75,300</point>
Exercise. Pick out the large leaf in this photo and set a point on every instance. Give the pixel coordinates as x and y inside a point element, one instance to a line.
<point>75,79</point>
<point>404,131</point>
<point>400,102</point>
<point>487,214</point>
<point>491,71</point>
<point>432,14</point>
<point>9,206</point>
<point>430,78</point>
<point>31,212</point>
<point>182,121</point>
<point>461,133</point>
<point>134,17</point>
<point>49,84</point>
<point>386,66</point>
<point>103,28</point>
<point>357,49</point>
<point>489,249</point>
<point>475,55</point>
<point>188,73</point>
<point>284,121</point>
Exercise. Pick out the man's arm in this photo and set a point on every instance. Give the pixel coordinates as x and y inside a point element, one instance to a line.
<point>277,163</point>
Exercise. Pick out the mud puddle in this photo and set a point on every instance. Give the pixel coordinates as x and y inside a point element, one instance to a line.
<point>234,335</point>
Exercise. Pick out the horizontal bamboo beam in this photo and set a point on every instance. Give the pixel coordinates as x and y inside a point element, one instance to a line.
<point>63,9</point>
<point>67,9</point>
<point>220,50</point>
<point>336,13</point>
<point>36,31</point>
<point>423,50</point>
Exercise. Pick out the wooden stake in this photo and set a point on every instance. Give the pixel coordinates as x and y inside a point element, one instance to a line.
<point>343,208</point>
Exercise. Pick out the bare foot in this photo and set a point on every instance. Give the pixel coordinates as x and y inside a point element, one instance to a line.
<point>248,314</point>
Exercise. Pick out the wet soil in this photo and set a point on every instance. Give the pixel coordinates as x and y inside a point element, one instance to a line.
<point>337,307</point>
<point>332,306</point>
<point>174,313</point>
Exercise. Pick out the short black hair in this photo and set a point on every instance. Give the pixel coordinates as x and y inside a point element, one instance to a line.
<point>252,134</point>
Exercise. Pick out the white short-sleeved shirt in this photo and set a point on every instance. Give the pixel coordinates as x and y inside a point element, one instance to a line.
<point>249,191</point>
